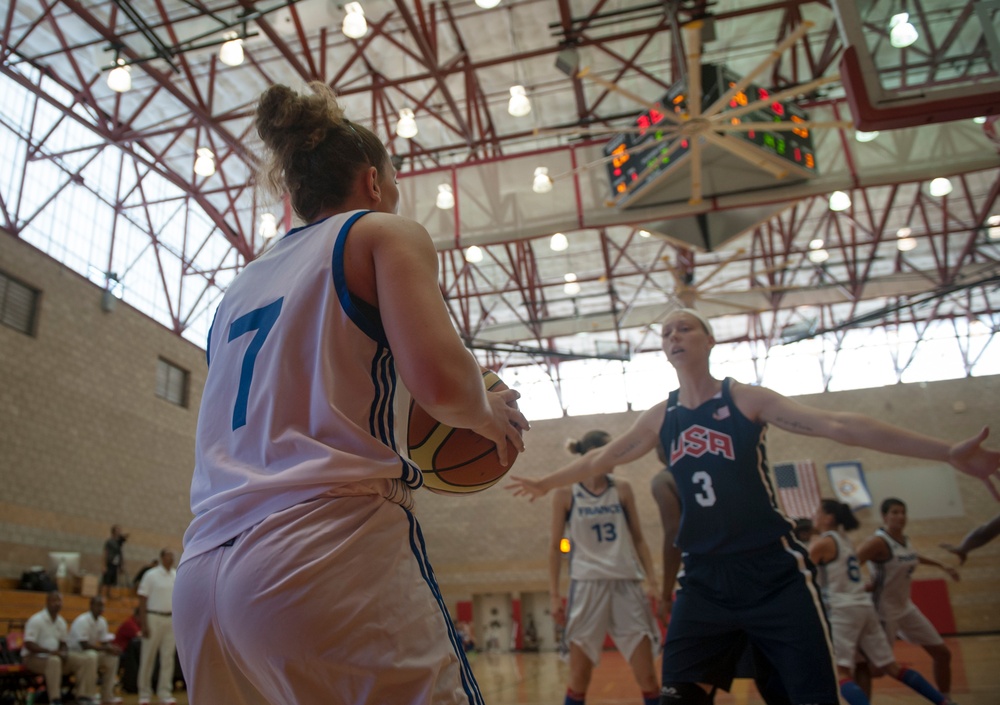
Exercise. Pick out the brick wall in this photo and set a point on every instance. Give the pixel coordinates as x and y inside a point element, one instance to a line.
<point>85,442</point>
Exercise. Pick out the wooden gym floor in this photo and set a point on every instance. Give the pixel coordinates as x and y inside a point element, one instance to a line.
<point>540,679</point>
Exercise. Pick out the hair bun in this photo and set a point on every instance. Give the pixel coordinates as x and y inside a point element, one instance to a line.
<point>573,446</point>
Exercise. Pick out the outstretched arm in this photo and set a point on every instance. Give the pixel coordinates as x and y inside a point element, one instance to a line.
<point>641,438</point>
<point>952,573</point>
<point>968,456</point>
<point>980,536</point>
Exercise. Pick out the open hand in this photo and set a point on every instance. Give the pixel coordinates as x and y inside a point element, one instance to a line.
<point>970,457</point>
<point>526,487</point>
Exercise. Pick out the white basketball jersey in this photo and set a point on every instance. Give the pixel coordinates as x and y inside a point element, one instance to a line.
<point>299,398</point>
<point>841,579</point>
<point>600,542</point>
<point>892,578</point>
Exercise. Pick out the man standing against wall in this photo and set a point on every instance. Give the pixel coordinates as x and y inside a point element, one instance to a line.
<point>112,559</point>
<point>155,617</point>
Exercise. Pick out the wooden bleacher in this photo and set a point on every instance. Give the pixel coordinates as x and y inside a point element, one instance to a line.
<point>16,606</point>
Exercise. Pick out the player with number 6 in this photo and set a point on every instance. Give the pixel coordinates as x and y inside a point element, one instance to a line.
<point>745,576</point>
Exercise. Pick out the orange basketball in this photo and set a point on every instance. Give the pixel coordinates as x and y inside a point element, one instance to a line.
<point>455,460</point>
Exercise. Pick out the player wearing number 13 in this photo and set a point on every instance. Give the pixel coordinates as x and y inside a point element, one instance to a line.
<point>608,561</point>
<point>745,575</point>
<point>304,577</point>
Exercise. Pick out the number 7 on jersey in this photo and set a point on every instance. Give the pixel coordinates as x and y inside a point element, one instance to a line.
<point>260,320</point>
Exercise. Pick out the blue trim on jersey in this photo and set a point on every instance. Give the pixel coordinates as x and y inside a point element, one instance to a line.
<point>419,549</point>
<point>208,340</point>
<point>372,328</point>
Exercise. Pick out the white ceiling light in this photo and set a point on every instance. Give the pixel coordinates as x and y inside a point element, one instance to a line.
<point>268,227</point>
<point>981,120</point>
<point>542,182</point>
<point>904,232</point>
<point>407,125</point>
<point>571,287</point>
<point>818,256</point>
<point>487,4</point>
<point>901,32</point>
<point>474,254</point>
<point>862,136</point>
<point>558,243</point>
<point>994,230</point>
<point>519,105</point>
<point>644,233</point>
<point>905,244</point>
<point>446,197</point>
<point>120,77</point>
<point>816,244</point>
<point>231,52</point>
<point>839,201</point>
<point>940,187</point>
<point>355,25</point>
<point>204,163</point>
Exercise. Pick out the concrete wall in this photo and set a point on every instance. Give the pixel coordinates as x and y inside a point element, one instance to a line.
<point>85,442</point>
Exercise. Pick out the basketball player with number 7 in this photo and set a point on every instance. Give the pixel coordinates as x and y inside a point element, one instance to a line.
<point>304,577</point>
<point>745,576</point>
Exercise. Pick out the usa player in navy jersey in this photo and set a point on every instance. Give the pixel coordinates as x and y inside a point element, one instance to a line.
<point>849,606</point>
<point>608,561</point>
<point>745,575</point>
<point>304,577</point>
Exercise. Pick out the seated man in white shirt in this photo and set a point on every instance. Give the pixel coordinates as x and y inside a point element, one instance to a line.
<point>45,652</point>
<point>89,633</point>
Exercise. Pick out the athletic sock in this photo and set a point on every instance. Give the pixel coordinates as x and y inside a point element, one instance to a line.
<point>852,693</point>
<point>574,698</point>
<point>651,698</point>
<point>918,683</point>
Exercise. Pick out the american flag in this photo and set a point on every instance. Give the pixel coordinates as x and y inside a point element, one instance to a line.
<point>798,488</point>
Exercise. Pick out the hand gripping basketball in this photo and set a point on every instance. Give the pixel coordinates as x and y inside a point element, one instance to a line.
<point>456,460</point>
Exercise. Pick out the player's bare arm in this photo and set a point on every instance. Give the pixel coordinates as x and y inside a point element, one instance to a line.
<point>669,505</point>
<point>968,456</point>
<point>627,497</point>
<point>641,438</point>
<point>874,549</point>
<point>562,500</point>
<point>822,550</point>
<point>441,374</point>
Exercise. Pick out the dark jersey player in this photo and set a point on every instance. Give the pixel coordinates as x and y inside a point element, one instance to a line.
<point>745,575</point>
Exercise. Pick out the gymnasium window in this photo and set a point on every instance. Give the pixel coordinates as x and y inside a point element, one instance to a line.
<point>171,382</point>
<point>18,303</point>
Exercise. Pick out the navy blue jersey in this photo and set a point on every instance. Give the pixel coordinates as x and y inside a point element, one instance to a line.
<point>719,462</point>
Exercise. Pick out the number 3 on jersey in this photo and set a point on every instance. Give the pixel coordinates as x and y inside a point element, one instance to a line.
<point>706,495</point>
<point>260,320</point>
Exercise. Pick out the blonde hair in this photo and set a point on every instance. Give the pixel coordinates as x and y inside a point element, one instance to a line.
<point>312,150</point>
